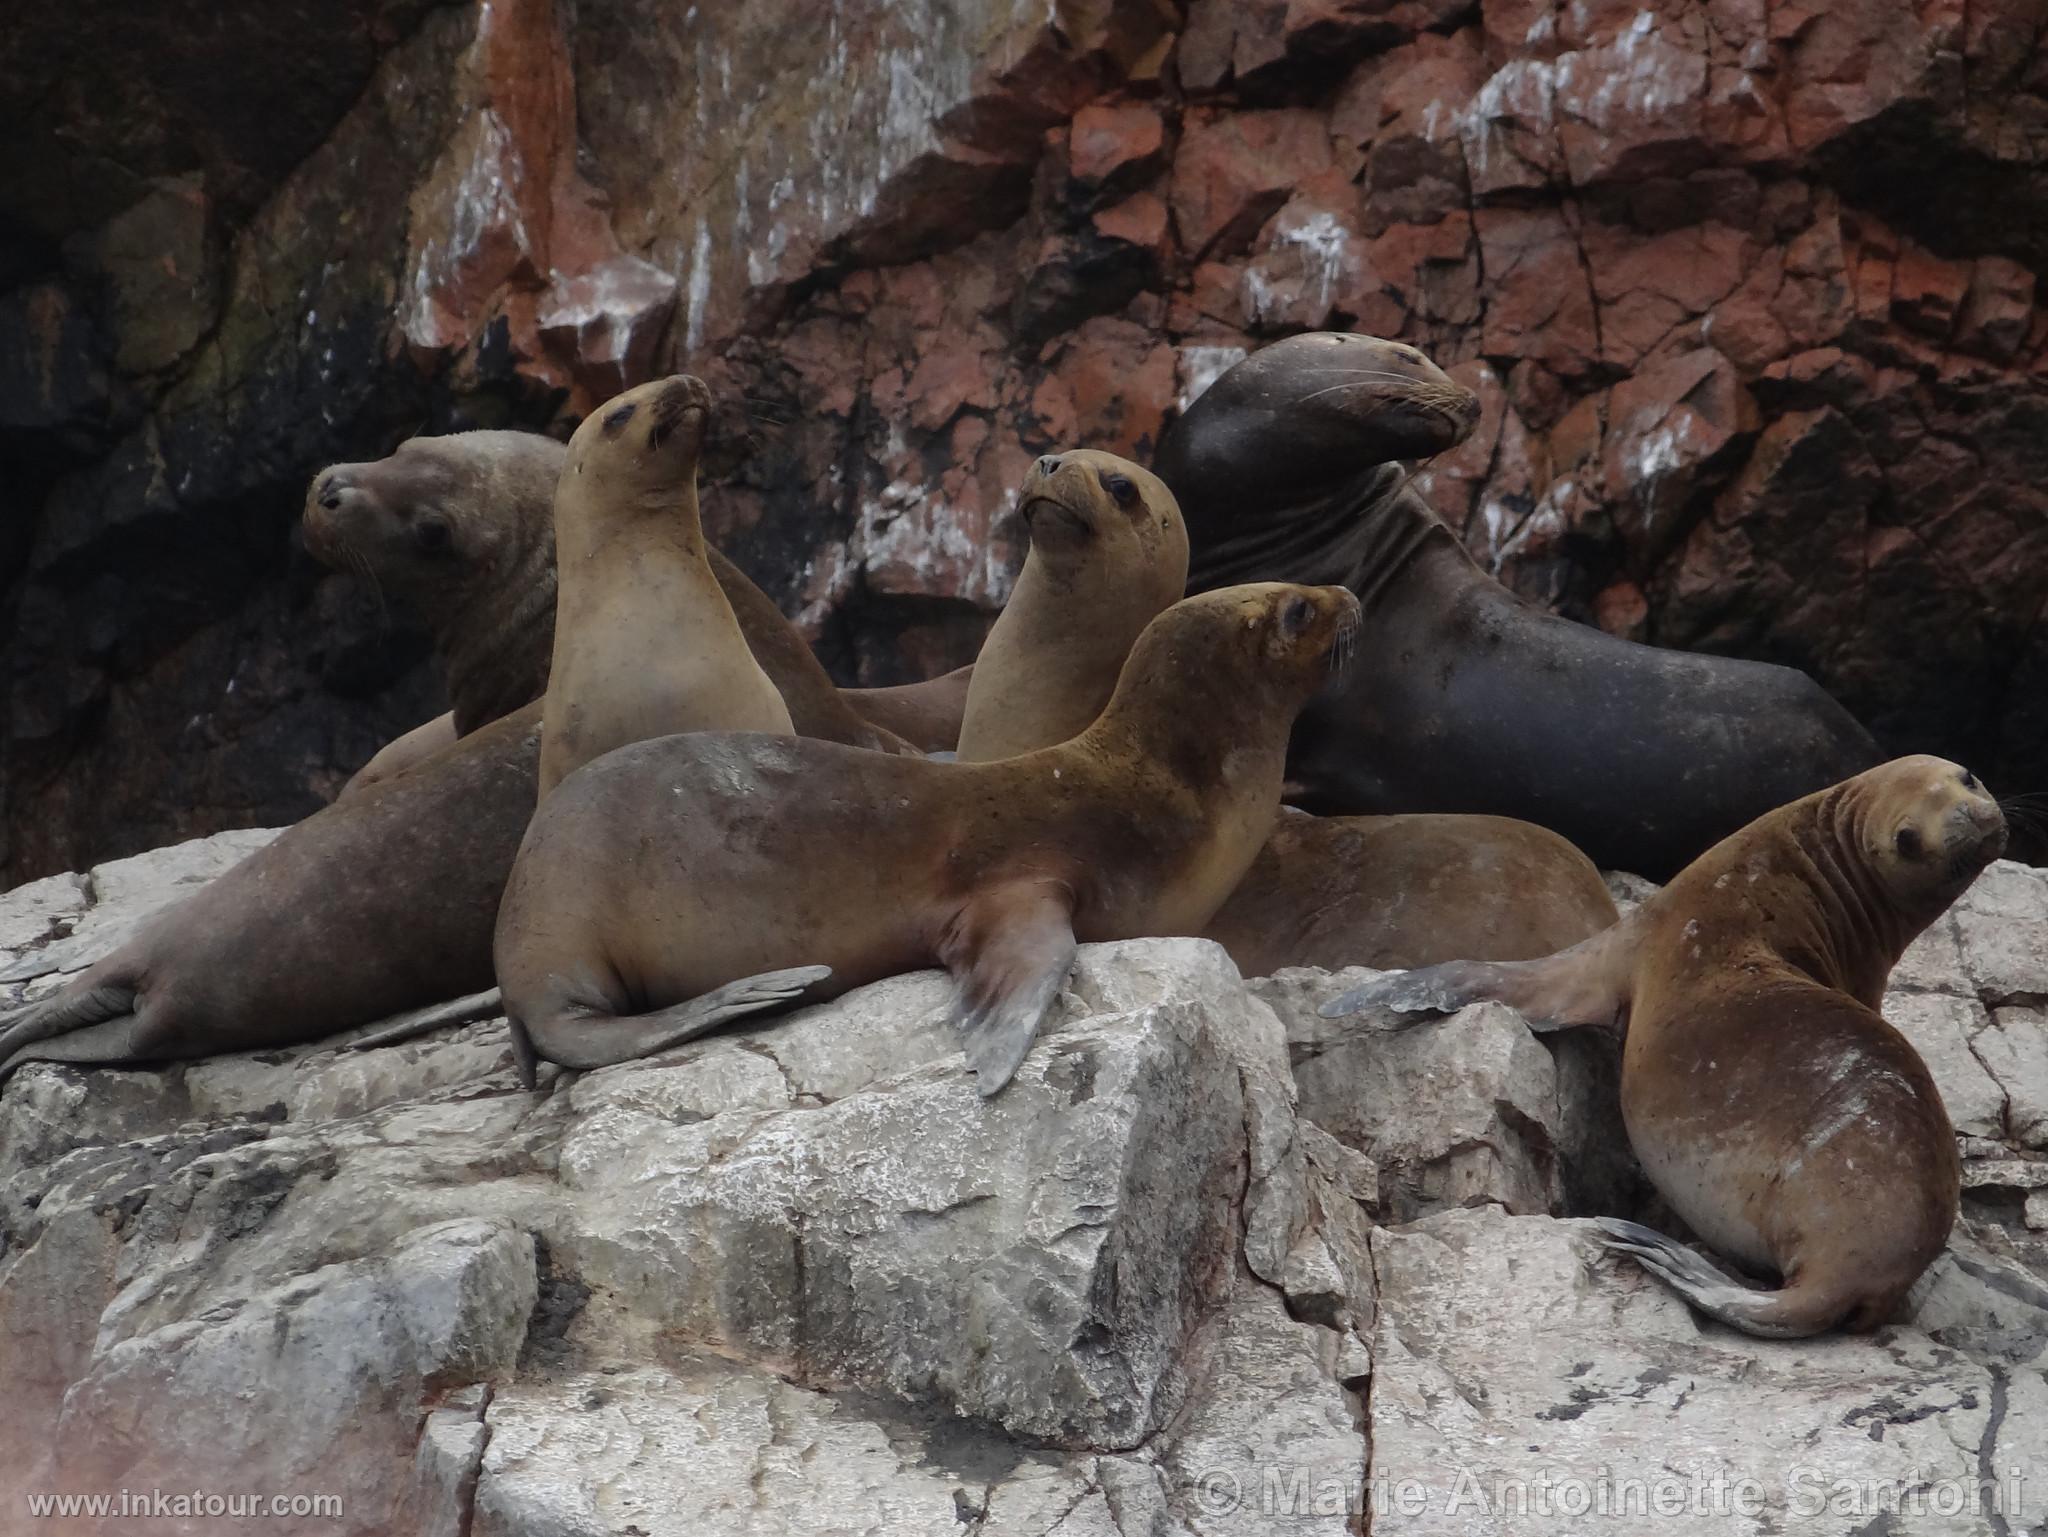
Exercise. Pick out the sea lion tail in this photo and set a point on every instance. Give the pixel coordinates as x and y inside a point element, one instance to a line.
<point>1789,1312</point>
<point>73,1009</point>
<point>585,1037</point>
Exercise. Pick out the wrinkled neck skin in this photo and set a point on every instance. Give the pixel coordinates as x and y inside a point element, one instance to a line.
<point>1807,896</point>
<point>1049,665</point>
<point>1362,534</point>
<point>496,632</point>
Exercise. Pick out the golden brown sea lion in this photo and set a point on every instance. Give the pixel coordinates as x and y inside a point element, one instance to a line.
<point>1768,1100</point>
<point>645,642</point>
<point>1107,553</point>
<point>672,867</point>
<point>1472,700</point>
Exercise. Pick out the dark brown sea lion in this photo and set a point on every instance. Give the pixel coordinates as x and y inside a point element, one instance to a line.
<point>645,642</point>
<point>495,491</point>
<point>673,867</point>
<point>1470,700</point>
<point>454,528</point>
<point>1324,891</point>
<point>1768,1100</point>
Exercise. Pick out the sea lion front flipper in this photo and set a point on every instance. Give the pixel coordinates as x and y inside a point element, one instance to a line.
<point>1009,950</point>
<point>1585,985</point>
<point>416,1022</point>
<point>586,1038</point>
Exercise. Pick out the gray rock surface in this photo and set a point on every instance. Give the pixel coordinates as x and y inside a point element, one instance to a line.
<point>801,1278</point>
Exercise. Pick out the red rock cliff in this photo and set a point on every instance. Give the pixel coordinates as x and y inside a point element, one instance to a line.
<point>1748,292</point>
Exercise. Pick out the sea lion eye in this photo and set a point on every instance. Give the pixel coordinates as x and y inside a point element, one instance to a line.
<point>617,419</point>
<point>1296,617</point>
<point>431,535</point>
<point>1969,780</point>
<point>1122,490</point>
<point>1908,843</point>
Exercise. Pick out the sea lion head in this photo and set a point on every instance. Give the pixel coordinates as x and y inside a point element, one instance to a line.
<point>1928,828</point>
<point>1289,465</point>
<point>438,517</point>
<point>642,443</point>
<point>1311,412</point>
<point>1266,638</point>
<point>1090,511</point>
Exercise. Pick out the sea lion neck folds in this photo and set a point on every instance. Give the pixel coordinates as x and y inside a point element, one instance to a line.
<point>1767,1098</point>
<point>1108,552</point>
<point>673,868</point>
<point>1291,462</point>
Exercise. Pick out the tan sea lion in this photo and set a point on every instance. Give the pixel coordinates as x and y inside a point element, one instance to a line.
<point>672,867</point>
<point>646,643</point>
<point>1107,553</point>
<point>1768,1100</point>
<point>1287,469</point>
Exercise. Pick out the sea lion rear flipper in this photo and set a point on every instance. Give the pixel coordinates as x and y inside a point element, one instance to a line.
<point>1585,985</point>
<point>61,1014</point>
<point>417,1022</point>
<point>1791,1312</point>
<point>585,1038</point>
<point>1009,950</point>
<point>102,1044</point>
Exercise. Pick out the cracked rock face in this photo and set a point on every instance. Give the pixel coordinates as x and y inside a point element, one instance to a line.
<point>1212,1265</point>
<point>1749,294</point>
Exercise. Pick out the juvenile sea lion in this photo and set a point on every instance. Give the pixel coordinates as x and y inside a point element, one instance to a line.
<point>1107,553</point>
<point>645,642</point>
<point>674,866</point>
<point>495,492</point>
<point>1768,1100</point>
<point>1470,699</point>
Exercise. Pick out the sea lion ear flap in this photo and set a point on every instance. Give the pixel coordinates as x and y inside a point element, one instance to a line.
<point>1009,950</point>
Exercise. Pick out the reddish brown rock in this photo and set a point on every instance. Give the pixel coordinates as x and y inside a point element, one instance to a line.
<point>1749,294</point>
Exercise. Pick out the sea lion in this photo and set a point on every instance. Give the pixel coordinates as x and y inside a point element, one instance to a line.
<point>673,866</point>
<point>1408,891</point>
<point>1107,553</point>
<point>645,642</point>
<point>447,525</point>
<point>495,491</point>
<point>1768,1100</point>
<point>1471,700</point>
